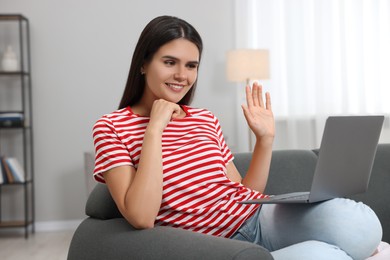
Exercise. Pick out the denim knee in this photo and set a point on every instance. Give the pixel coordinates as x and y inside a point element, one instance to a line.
<point>351,226</point>
<point>358,230</point>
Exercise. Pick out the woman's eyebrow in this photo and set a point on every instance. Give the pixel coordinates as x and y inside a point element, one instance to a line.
<point>174,58</point>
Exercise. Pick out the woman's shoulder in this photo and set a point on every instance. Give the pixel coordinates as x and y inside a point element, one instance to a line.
<point>196,112</point>
<point>117,115</point>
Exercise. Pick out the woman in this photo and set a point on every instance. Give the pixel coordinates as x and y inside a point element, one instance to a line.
<point>166,163</point>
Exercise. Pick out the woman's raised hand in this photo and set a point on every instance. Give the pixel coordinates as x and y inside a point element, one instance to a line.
<point>259,115</point>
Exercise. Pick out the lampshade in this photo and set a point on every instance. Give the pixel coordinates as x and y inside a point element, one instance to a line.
<point>245,64</point>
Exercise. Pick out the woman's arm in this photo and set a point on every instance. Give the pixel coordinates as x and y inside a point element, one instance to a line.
<point>257,175</point>
<point>261,121</point>
<point>138,193</point>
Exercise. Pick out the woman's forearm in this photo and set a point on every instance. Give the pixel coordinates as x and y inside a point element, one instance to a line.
<point>143,198</point>
<point>258,171</point>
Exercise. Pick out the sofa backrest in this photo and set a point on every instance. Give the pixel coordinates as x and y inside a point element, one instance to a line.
<point>291,170</point>
<point>378,193</point>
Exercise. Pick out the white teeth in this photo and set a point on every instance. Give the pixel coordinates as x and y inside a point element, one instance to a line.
<point>175,86</point>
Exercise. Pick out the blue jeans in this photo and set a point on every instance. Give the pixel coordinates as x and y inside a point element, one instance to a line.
<point>334,229</point>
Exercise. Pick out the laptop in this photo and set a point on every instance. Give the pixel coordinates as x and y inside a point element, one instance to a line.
<point>344,164</point>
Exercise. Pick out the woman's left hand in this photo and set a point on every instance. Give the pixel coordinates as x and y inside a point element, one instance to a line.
<point>259,115</point>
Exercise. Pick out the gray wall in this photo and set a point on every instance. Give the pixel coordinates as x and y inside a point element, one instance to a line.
<point>81,51</point>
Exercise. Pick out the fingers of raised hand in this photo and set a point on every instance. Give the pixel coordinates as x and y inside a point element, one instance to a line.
<point>268,101</point>
<point>258,94</point>
<point>249,96</point>
<point>254,96</point>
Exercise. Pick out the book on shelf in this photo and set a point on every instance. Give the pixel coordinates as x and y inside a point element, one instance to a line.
<point>8,178</point>
<point>11,119</point>
<point>1,173</point>
<point>16,169</point>
<point>12,170</point>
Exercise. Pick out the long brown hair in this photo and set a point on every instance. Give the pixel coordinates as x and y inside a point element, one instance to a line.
<point>157,32</point>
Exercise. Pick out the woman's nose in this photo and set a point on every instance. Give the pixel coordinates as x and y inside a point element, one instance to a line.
<point>180,74</point>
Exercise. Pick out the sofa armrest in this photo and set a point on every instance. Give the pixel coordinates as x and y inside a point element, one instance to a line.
<point>100,204</point>
<point>115,239</point>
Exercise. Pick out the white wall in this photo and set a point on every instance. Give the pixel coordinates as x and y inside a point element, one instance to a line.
<point>81,52</point>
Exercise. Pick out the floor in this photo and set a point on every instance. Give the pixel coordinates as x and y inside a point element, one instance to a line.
<point>39,246</point>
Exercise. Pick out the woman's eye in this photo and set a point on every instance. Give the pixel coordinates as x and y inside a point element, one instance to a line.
<point>192,66</point>
<point>169,62</point>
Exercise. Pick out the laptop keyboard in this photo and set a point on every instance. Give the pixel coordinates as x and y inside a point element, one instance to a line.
<point>298,197</point>
<point>292,196</point>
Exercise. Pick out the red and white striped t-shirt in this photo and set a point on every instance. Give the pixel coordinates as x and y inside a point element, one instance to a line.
<point>197,195</point>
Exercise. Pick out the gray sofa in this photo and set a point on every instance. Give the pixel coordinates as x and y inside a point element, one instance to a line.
<point>106,235</point>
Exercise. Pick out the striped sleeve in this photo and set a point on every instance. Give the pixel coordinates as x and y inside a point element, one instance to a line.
<point>110,152</point>
<point>226,153</point>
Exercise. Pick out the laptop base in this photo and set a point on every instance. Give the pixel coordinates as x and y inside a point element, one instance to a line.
<point>294,197</point>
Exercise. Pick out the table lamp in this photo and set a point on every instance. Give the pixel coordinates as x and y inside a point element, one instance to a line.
<point>246,64</point>
<point>243,65</point>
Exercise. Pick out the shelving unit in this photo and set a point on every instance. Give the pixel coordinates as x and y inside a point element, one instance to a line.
<point>17,140</point>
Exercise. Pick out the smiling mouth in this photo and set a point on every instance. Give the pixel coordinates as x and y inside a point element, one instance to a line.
<point>175,86</point>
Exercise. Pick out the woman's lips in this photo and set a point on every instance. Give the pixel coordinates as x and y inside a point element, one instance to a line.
<point>175,87</point>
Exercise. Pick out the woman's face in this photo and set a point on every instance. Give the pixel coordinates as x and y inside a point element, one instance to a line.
<point>171,72</point>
